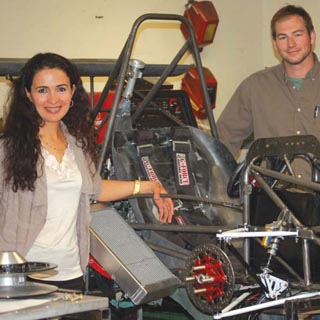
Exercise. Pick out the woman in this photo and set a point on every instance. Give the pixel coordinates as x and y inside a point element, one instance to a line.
<point>48,173</point>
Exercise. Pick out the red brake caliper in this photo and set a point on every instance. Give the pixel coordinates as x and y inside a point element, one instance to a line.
<point>209,278</point>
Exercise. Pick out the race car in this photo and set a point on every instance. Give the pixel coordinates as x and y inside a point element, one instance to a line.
<point>210,250</point>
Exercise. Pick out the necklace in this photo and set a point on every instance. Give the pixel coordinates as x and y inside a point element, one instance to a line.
<point>63,147</point>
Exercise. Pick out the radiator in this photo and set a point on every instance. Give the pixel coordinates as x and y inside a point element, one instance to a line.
<point>129,261</point>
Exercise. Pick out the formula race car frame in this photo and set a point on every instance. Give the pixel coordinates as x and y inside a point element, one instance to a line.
<point>228,259</point>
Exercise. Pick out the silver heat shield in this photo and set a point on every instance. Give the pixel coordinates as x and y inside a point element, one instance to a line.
<point>129,261</point>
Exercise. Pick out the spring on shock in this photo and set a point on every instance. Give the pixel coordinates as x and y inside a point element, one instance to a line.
<point>272,252</point>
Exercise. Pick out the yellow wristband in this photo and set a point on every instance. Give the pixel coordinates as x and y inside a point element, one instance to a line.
<point>136,189</point>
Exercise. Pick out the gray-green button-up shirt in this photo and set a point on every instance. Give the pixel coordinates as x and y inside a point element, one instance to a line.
<point>267,104</point>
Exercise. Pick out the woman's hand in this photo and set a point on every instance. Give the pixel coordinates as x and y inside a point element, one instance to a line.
<point>112,190</point>
<point>165,205</point>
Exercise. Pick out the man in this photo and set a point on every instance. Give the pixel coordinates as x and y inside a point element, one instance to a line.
<point>283,100</point>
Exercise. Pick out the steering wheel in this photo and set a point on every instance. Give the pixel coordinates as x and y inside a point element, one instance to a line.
<point>233,187</point>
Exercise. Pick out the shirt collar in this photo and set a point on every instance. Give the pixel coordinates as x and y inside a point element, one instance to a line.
<point>315,69</point>
<point>310,75</point>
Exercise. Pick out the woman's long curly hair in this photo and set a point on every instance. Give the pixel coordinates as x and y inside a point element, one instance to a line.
<point>22,145</point>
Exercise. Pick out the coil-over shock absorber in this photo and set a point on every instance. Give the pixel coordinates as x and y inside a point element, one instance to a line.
<point>274,285</point>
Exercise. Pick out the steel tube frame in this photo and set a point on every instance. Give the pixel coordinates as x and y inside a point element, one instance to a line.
<point>124,62</point>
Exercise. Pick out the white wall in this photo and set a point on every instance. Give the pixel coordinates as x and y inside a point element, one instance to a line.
<point>99,28</point>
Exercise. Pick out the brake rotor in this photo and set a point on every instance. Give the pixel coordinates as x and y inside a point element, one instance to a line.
<point>209,278</point>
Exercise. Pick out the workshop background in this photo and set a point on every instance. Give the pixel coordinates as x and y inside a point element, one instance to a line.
<point>99,29</point>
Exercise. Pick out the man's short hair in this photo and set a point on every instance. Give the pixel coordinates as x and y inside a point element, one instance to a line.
<point>291,10</point>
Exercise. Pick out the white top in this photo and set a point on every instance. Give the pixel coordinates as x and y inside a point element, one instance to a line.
<point>57,242</point>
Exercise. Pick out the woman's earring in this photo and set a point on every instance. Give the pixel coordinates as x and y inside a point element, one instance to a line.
<point>71,104</point>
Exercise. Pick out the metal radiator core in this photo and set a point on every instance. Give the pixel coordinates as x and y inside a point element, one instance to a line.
<point>129,261</point>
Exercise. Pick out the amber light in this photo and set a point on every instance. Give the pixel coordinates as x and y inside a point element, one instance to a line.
<point>191,84</point>
<point>204,20</point>
<point>209,33</point>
